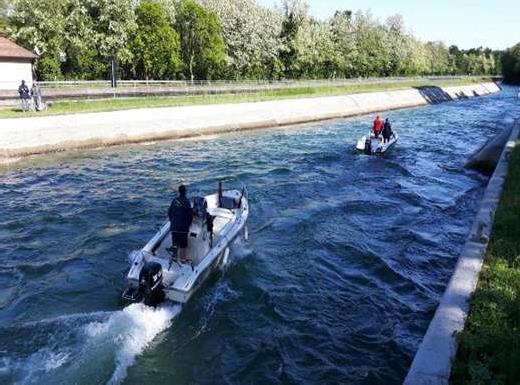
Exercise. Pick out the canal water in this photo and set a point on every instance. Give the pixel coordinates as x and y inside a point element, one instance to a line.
<point>347,258</point>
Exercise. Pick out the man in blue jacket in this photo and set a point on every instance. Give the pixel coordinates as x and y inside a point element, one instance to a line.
<point>23,91</point>
<point>387,131</point>
<point>181,215</point>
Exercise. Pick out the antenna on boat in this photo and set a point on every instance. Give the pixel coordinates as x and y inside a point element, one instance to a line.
<point>219,193</point>
<point>240,199</point>
<point>244,192</point>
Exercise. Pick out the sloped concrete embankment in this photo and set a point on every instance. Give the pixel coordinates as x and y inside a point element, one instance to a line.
<point>38,135</point>
<point>486,158</point>
<point>433,361</point>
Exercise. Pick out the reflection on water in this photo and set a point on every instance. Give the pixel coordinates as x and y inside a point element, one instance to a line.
<point>347,256</point>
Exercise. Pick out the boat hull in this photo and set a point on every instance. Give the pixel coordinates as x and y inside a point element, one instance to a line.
<point>375,146</point>
<point>182,296</point>
<point>181,281</point>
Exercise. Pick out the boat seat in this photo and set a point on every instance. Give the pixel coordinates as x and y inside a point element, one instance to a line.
<point>220,212</point>
<point>228,203</point>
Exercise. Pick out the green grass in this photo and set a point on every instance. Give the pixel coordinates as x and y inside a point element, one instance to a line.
<point>489,350</point>
<point>74,107</point>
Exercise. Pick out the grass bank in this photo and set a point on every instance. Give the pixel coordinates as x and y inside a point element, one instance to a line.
<point>489,347</point>
<point>101,105</point>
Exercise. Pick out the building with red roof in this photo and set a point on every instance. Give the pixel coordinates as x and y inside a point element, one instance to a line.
<point>16,64</point>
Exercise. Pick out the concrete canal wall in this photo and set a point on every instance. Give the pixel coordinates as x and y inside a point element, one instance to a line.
<point>21,137</point>
<point>433,361</point>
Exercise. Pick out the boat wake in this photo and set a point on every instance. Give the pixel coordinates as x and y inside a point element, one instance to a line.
<point>99,349</point>
<point>131,331</point>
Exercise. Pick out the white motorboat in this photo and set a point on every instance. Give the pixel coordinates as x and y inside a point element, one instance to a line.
<point>370,145</point>
<point>156,274</point>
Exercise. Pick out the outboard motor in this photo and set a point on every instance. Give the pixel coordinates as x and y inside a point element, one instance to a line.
<point>368,146</point>
<point>150,284</point>
<point>200,207</point>
<point>209,226</point>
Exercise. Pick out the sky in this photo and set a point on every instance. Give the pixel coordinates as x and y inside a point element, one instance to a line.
<point>465,23</point>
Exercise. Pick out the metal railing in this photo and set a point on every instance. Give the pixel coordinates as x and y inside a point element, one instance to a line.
<point>101,89</point>
<point>241,83</point>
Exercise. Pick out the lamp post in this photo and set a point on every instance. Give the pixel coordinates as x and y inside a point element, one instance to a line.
<point>113,77</point>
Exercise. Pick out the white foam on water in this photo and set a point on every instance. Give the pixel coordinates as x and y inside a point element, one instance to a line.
<point>55,360</point>
<point>240,249</point>
<point>52,353</point>
<point>131,330</point>
<point>29,371</point>
<point>89,348</point>
<point>69,320</point>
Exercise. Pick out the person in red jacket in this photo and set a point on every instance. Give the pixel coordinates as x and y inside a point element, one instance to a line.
<point>378,126</point>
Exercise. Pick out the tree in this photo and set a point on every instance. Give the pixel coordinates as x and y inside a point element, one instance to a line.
<point>372,58</point>
<point>39,25</point>
<point>511,65</point>
<point>252,38</point>
<point>155,44</point>
<point>295,12</point>
<point>6,7</point>
<point>81,56</point>
<point>475,61</point>
<point>438,57</point>
<point>396,43</point>
<point>342,31</point>
<point>75,38</point>
<point>202,45</point>
<point>317,56</point>
<point>113,26</point>
<point>417,61</point>
<point>459,61</point>
<point>169,7</point>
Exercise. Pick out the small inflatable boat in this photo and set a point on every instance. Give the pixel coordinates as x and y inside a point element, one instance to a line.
<point>371,145</point>
<point>156,274</point>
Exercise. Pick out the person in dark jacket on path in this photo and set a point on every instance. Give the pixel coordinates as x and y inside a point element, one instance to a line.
<point>181,216</point>
<point>387,130</point>
<point>36,94</point>
<point>23,91</point>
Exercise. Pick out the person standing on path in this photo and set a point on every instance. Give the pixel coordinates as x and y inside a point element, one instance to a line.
<point>23,91</point>
<point>36,94</point>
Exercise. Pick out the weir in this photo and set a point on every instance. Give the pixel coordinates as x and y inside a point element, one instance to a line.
<point>22,137</point>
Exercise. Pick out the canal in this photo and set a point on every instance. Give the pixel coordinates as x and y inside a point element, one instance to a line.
<point>347,258</point>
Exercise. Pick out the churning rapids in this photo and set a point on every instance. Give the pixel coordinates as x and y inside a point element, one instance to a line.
<point>347,257</point>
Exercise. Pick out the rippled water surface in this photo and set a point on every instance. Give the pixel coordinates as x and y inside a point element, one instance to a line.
<point>347,258</point>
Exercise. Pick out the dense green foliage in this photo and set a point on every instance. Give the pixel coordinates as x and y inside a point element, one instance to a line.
<point>475,61</point>
<point>75,38</point>
<point>4,5</point>
<point>202,46</point>
<point>226,39</point>
<point>154,44</point>
<point>252,38</point>
<point>291,25</point>
<point>489,347</point>
<point>511,64</point>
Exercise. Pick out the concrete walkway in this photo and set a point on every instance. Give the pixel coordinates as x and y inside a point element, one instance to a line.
<point>38,135</point>
<point>433,361</point>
